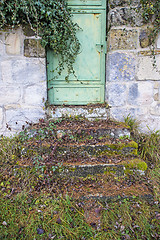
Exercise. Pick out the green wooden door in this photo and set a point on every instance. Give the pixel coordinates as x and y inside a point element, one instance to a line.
<point>90,62</point>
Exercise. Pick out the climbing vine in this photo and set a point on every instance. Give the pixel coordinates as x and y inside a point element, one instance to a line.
<point>50,20</point>
<point>151,14</point>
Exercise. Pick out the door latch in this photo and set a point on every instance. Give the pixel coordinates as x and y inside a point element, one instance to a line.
<point>101,48</point>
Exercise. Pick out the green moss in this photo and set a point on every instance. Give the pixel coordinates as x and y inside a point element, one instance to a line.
<point>133,144</point>
<point>121,146</point>
<point>136,164</point>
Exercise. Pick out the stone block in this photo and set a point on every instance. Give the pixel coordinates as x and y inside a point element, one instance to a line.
<point>155,110</point>
<point>144,38</point>
<point>129,16</point>
<point>117,94</point>
<point>17,118</point>
<point>6,71</point>
<point>2,45</point>
<point>142,111</point>
<point>121,67</point>
<point>123,39</point>
<point>118,3</point>
<point>33,48</point>
<point>156,91</point>
<point>24,71</point>
<point>145,93</point>
<point>10,95</point>
<point>13,43</point>
<point>133,94</point>
<point>89,112</point>
<point>149,123</point>
<point>145,70</point>
<point>28,31</point>
<point>122,112</point>
<point>35,95</point>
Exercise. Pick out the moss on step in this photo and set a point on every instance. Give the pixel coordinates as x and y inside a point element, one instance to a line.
<point>135,164</point>
<point>91,170</point>
<point>129,148</point>
<point>120,146</point>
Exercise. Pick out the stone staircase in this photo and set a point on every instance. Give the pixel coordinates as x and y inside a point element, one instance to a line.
<point>92,161</point>
<point>96,152</point>
<point>93,147</point>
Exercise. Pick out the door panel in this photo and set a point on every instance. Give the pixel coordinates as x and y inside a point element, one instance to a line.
<point>76,94</point>
<point>88,62</point>
<point>89,66</point>
<point>85,2</point>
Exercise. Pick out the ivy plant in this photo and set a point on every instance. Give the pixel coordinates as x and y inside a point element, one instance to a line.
<point>49,19</point>
<point>151,14</point>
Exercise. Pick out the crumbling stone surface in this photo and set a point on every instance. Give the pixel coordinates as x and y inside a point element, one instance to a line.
<point>123,39</point>
<point>33,48</point>
<point>129,16</point>
<point>144,38</point>
<point>117,3</point>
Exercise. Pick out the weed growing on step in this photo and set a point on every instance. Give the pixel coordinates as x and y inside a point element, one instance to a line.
<point>148,144</point>
<point>149,147</point>
<point>132,123</point>
<point>149,150</point>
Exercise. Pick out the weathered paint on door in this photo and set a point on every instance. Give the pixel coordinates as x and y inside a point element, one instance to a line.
<point>90,62</point>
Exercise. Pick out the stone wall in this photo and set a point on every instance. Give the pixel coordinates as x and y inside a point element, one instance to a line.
<point>23,87</point>
<point>132,85</point>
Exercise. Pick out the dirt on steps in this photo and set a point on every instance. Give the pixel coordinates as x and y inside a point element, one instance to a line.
<point>43,149</point>
<point>76,141</point>
<point>79,123</point>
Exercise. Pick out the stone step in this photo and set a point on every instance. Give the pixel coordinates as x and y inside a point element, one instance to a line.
<point>76,169</point>
<point>95,133</point>
<point>89,149</point>
<point>101,181</point>
<point>82,148</point>
<point>91,111</point>
<point>81,128</point>
<point>128,166</point>
<point>87,170</point>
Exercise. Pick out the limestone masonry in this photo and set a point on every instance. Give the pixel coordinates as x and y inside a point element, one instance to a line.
<point>132,85</point>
